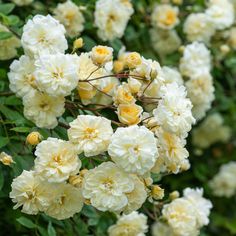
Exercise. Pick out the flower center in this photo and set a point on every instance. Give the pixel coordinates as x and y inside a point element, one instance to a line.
<point>90,133</point>
<point>44,106</point>
<point>70,15</point>
<point>169,18</point>
<point>108,184</point>
<point>57,74</point>
<point>31,80</point>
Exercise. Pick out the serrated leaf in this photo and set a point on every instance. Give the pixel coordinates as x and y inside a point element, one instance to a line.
<point>26,222</point>
<point>5,35</point>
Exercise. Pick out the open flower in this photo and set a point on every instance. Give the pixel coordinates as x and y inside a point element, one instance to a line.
<point>67,201</point>
<point>133,149</point>
<point>43,109</point>
<point>37,38</point>
<point>21,76</point>
<point>165,16</point>
<point>106,187</point>
<point>30,192</point>
<point>90,134</point>
<point>56,160</point>
<point>71,17</point>
<point>56,74</point>
<point>127,225</point>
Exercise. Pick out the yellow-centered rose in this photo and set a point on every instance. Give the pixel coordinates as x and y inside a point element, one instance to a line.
<point>133,59</point>
<point>123,95</point>
<point>101,54</point>
<point>129,114</point>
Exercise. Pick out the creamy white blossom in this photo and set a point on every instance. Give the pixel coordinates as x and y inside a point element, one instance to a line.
<point>196,59</point>
<point>21,76</point>
<point>223,184</point>
<point>30,193</point>
<point>133,149</point>
<point>165,41</point>
<point>173,112</point>
<point>221,13</point>
<point>201,205</point>
<point>210,131</point>
<point>56,160</point>
<point>199,27</point>
<point>67,201</point>
<point>90,134</point>
<point>162,229</point>
<point>200,90</point>
<point>172,152</point>
<point>137,196</point>
<point>111,18</point>
<point>165,16</point>
<point>172,75</point>
<point>106,187</point>
<point>133,224</point>
<point>70,16</point>
<point>56,74</point>
<point>43,109</point>
<point>181,217</point>
<point>43,34</point>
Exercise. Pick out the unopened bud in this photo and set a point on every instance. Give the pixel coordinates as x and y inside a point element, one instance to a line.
<point>6,159</point>
<point>118,66</point>
<point>148,181</point>
<point>157,192</point>
<point>34,138</point>
<point>224,48</point>
<point>181,49</point>
<point>75,180</point>
<point>83,172</point>
<point>133,59</point>
<point>101,54</point>
<point>174,195</point>
<point>78,43</point>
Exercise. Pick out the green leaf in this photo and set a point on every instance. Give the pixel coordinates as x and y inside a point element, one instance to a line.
<point>13,100</point>
<point>51,230</point>
<point>26,222</point>
<point>21,129</point>
<point>12,115</point>
<point>1,179</point>
<point>89,43</point>
<point>3,141</point>
<point>13,20</point>
<point>42,231</point>
<point>6,8</point>
<point>5,35</point>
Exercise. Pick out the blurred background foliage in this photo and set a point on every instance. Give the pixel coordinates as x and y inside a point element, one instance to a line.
<point>14,127</point>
